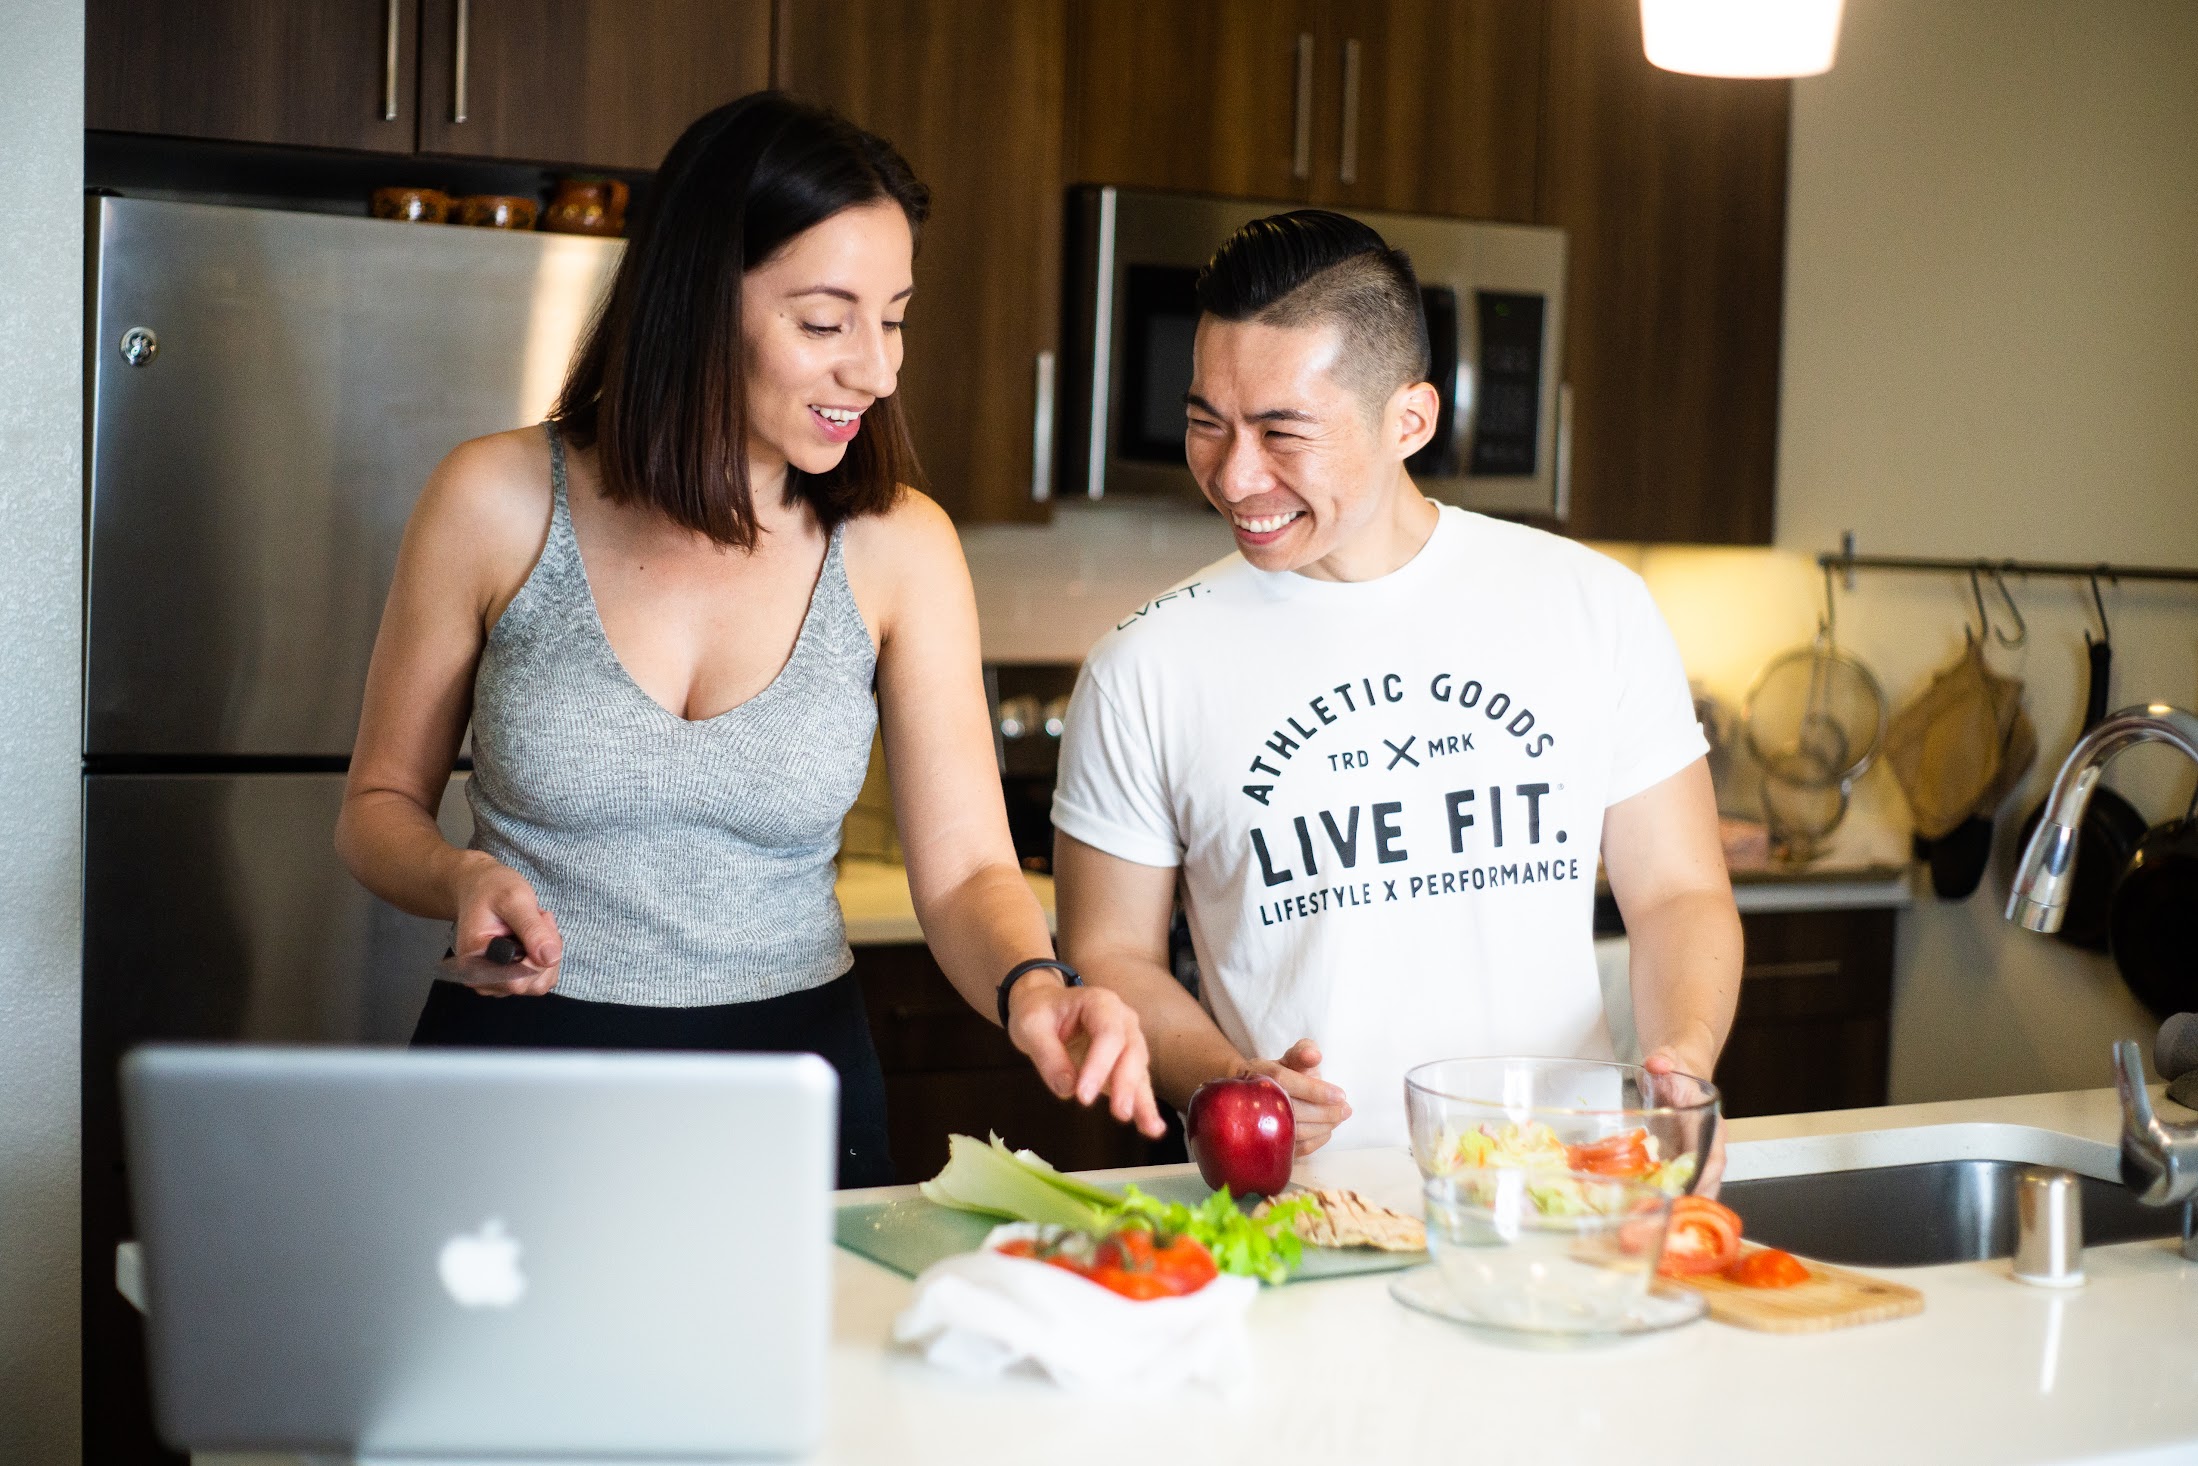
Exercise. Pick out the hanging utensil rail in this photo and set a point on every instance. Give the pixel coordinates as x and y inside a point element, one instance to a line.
<point>1847,562</point>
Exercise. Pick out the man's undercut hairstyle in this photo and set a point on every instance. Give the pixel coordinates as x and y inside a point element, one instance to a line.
<point>659,386</point>
<point>1314,267</point>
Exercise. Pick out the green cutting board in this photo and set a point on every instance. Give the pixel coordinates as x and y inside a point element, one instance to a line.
<point>909,1234</point>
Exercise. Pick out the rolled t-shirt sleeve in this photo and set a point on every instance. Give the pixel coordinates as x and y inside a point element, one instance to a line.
<point>1657,732</point>
<point>1110,793</point>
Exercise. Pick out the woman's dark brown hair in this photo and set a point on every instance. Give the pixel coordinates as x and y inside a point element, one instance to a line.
<point>658,388</point>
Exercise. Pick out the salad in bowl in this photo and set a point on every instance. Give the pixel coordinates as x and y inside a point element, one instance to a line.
<point>1565,1123</point>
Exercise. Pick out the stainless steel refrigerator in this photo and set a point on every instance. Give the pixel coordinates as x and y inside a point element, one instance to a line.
<point>268,392</point>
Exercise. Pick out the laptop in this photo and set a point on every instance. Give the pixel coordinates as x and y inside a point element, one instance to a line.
<point>434,1254</point>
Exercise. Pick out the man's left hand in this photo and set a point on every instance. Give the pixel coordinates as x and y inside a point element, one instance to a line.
<point>1674,1061</point>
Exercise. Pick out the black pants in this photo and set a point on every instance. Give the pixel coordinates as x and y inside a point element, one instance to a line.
<point>827,1021</point>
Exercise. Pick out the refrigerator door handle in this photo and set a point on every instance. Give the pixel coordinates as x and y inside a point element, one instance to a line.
<point>389,62</point>
<point>459,50</point>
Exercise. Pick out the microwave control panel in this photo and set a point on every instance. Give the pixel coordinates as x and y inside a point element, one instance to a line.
<point>1507,399</point>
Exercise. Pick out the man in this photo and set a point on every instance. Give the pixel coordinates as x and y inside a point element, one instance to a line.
<point>1380,745</point>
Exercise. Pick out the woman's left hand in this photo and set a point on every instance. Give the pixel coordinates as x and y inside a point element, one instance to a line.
<point>1085,1042</point>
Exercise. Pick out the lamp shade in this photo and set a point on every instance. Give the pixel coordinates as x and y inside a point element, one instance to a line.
<point>1741,37</point>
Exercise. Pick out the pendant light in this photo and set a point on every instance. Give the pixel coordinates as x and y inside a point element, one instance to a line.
<point>1741,37</point>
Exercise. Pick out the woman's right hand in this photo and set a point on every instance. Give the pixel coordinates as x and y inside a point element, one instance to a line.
<point>493,900</point>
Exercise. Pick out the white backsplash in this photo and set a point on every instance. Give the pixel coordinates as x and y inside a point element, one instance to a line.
<point>1046,592</point>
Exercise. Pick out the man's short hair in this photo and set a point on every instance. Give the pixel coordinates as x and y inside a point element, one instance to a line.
<point>1312,267</point>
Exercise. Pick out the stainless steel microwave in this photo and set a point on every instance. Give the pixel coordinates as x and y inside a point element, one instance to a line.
<point>1494,297</point>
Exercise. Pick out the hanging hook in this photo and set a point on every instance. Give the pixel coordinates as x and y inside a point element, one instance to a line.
<point>1984,621</point>
<point>2022,629</point>
<point>1829,623</point>
<point>2106,632</point>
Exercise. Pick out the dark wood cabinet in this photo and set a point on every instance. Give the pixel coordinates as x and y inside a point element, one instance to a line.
<point>1414,106</point>
<point>585,83</point>
<point>1429,107</point>
<point>948,1071</point>
<point>1214,97</point>
<point>594,83</point>
<point>329,74</point>
<point>1672,190</point>
<point>988,143</point>
<point>1814,1030</point>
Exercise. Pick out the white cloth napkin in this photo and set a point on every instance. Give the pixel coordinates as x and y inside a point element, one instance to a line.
<point>980,1313</point>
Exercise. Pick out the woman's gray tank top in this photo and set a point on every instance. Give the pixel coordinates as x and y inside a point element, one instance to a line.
<point>686,863</point>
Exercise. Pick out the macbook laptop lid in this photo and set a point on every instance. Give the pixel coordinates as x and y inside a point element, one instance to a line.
<point>402,1253</point>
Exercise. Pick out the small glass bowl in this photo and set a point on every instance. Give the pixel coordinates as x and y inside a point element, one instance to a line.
<point>1546,1252</point>
<point>1500,1112</point>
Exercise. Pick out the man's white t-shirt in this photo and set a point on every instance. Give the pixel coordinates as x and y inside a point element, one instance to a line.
<point>1386,797</point>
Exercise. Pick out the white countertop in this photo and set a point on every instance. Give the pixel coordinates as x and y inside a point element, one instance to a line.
<point>1992,1371</point>
<point>873,896</point>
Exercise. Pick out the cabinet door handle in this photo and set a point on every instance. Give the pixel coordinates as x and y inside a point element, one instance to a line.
<point>459,50</point>
<point>1301,151</point>
<point>1041,432</point>
<point>1348,171</point>
<point>1562,510</point>
<point>389,63</point>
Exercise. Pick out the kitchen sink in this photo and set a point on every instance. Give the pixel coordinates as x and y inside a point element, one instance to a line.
<point>1912,1216</point>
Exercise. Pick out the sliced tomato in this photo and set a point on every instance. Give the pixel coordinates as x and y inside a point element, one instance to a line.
<point>1130,1262</point>
<point>1624,1155</point>
<point>1767,1267</point>
<point>1704,1237</point>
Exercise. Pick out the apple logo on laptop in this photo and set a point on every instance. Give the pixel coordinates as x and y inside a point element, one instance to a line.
<point>481,1269</point>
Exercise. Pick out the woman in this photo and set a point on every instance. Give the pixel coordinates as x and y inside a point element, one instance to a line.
<point>665,613</point>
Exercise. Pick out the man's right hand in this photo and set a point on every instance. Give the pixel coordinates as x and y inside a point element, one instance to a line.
<point>1316,1106</point>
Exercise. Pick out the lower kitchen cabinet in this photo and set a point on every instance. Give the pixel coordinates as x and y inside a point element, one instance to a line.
<point>1814,1031</point>
<point>950,1071</point>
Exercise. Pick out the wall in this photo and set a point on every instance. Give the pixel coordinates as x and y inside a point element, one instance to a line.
<point>1991,349</point>
<point>41,498</point>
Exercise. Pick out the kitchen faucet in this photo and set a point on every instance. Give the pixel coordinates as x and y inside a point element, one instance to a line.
<point>2159,1160</point>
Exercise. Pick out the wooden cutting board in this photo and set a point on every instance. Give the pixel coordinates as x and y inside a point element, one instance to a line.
<point>1833,1298</point>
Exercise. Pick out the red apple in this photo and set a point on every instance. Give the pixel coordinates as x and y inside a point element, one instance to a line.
<point>1242,1135</point>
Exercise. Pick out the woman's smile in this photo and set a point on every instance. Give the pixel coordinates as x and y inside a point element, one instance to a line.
<point>837,424</point>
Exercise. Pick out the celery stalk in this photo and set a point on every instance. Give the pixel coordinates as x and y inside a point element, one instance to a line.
<point>996,1181</point>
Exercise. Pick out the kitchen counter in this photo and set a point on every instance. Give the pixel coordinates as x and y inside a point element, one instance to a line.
<point>1992,1371</point>
<point>1822,888</point>
<point>873,895</point>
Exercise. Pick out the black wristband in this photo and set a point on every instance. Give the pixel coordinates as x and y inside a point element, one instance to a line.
<point>1069,978</point>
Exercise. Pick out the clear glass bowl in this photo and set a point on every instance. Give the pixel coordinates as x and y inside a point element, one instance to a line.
<point>1616,1120</point>
<point>1511,1263</point>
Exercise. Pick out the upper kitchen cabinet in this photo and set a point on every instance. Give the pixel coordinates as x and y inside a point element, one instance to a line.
<point>1429,107</point>
<point>1415,106</point>
<point>1214,97</point>
<point>596,83</point>
<point>985,318</point>
<point>330,74</point>
<point>1672,190</point>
